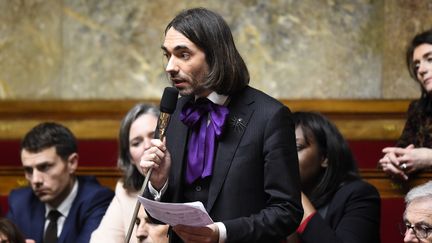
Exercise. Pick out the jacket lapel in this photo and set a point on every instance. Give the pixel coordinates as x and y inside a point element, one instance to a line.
<point>72,224</point>
<point>38,221</point>
<point>240,112</point>
<point>177,147</point>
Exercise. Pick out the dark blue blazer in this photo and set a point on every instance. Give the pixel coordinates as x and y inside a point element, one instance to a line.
<point>87,210</point>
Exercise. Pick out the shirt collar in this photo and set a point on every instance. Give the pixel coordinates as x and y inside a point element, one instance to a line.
<point>217,98</point>
<point>66,205</point>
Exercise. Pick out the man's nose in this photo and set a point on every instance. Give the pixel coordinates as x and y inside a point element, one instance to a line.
<point>37,178</point>
<point>171,66</point>
<point>410,237</point>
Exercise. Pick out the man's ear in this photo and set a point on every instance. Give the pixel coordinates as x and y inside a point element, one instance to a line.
<point>324,162</point>
<point>72,162</point>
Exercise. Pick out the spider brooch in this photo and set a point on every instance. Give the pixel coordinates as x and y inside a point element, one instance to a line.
<point>237,123</point>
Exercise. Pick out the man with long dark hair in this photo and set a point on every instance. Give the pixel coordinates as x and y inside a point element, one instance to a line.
<point>228,145</point>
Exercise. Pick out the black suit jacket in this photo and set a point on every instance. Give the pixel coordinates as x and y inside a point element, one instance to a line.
<point>255,187</point>
<point>353,216</point>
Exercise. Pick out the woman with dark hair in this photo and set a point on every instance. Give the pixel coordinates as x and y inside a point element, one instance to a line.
<point>338,205</point>
<point>9,233</point>
<point>413,151</point>
<point>136,130</point>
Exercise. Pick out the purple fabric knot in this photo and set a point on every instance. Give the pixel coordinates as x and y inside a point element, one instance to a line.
<point>206,121</point>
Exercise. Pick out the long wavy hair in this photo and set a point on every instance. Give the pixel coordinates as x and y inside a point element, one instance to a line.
<point>132,178</point>
<point>331,145</point>
<point>425,102</point>
<point>209,31</point>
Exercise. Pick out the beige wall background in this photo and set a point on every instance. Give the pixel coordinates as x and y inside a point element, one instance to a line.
<point>110,49</point>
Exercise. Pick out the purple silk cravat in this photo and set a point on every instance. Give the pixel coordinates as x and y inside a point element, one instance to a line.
<point>206,120</point>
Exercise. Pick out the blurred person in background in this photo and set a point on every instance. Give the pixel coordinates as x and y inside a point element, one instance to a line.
<point>147,231</point>
<point>413,150</point>
<point>338,205</point>
<point>9,233</point>
<point>136,130</point>
<point>59,206</point>
<point>417,218</point>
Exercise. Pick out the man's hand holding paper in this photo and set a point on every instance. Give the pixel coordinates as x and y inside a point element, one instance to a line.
<point>190,214</point>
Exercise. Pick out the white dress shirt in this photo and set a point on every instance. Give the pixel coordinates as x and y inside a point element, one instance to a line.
<point>63,208</point>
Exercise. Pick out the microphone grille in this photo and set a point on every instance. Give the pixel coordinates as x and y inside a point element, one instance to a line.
<point>169,100</point>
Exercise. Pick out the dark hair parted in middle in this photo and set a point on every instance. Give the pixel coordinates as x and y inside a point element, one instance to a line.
<point>209,31</point>
<point>332,145</point>
<point>132,178</point>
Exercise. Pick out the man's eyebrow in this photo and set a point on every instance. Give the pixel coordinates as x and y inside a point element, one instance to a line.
<point>423,223</point>
<point>44,163</point>
<point>39,164</point>
<point>176,48</point>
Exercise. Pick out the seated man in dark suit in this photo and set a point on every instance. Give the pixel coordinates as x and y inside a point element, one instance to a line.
<point>59,206</point>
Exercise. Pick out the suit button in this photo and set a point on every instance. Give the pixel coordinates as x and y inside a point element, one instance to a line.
<point>198,188</point>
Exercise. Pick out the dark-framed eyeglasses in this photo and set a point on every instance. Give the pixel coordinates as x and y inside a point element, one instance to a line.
<point>421,231</point>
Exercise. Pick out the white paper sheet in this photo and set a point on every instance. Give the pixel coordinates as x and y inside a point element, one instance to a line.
<point>192,214</point>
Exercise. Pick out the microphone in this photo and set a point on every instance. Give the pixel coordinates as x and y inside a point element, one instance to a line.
<point>167,106</point>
